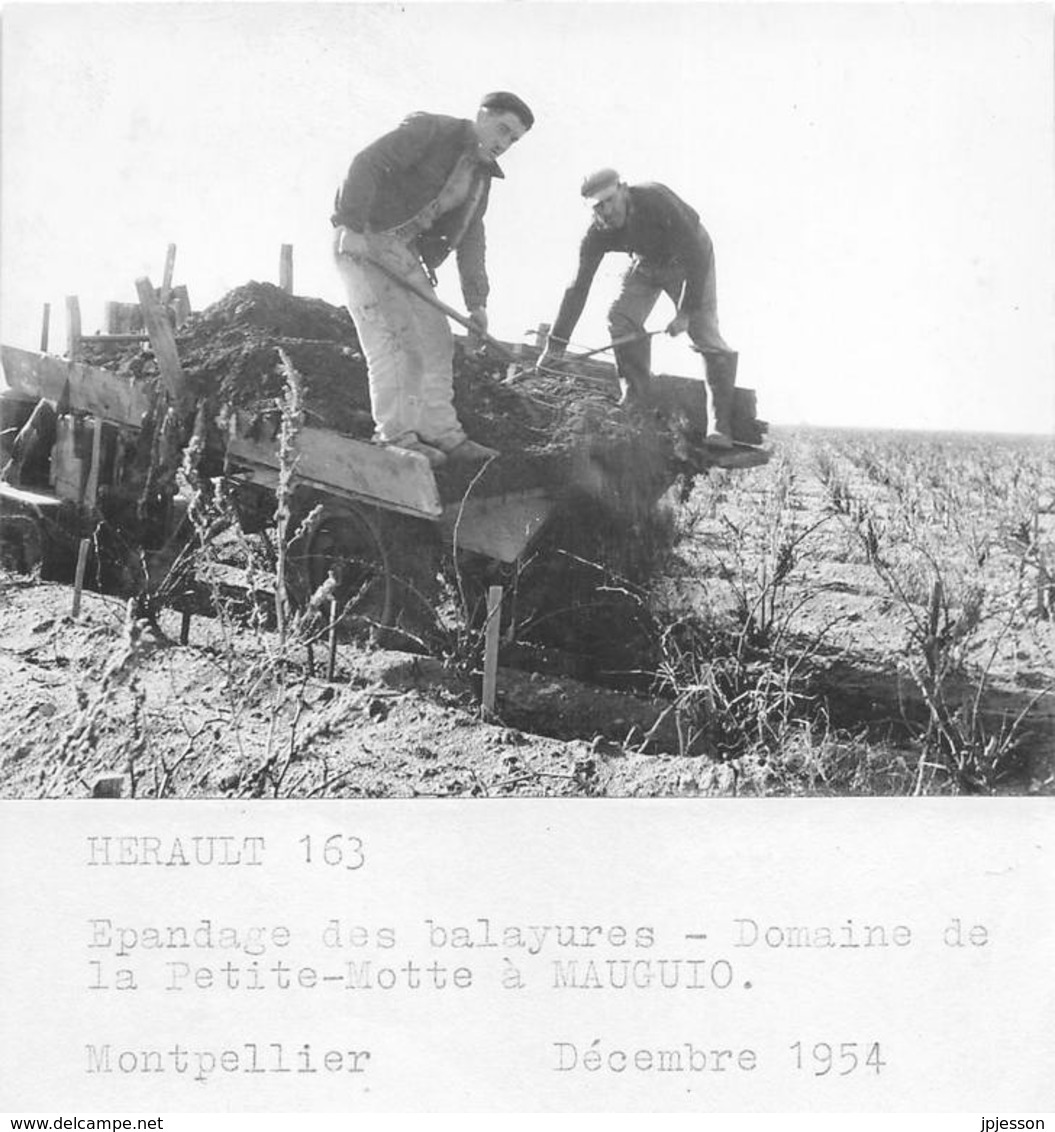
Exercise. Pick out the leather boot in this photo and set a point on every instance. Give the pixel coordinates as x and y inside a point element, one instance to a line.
<point>633,362</point>
<point>721,380</point>
<point>471,450</point>
<point>435,457</point>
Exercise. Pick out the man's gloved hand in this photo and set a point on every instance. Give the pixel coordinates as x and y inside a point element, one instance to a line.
<point>678,324</point>
<point>551,355</point>
<point>350,242</point>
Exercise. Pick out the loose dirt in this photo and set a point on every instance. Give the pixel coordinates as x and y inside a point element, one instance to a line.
<point>86,698</point>
<point>222,716</point>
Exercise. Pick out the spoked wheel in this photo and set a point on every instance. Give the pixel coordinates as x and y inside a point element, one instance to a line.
<point>342,542</point>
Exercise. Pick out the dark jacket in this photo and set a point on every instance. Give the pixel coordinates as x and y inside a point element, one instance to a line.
<point>394,178</point>
<point>663,234</point>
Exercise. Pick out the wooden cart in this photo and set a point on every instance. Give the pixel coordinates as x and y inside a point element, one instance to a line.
<point>373,505</point>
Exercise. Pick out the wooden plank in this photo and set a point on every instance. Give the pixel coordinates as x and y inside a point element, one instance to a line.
<point>689,395</point>
<point>285,268</point>
<point>163,341</point>
<point>124,318</point>
<point>671,394</point>
<point>390,477</point>
<point>90,389</point>
<point>166,279</point>
<point>124,323</point>
<point>28,498</point>
<point>268,477</point>
<point>181,304</point>
<point>91,488</point>
<point>501,526</point>
<point>104,339</point>
<point>67,467</point>
<point>73,326</point>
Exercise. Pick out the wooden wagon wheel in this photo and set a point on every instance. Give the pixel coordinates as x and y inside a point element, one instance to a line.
<point>342,541</point>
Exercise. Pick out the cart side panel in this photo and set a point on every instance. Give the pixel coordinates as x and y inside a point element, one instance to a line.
<point>90,389</point>
<point>687,394</point>
<point>502,527</point>
<point>393,478</point>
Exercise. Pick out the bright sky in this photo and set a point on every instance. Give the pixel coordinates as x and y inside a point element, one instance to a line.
<point>877,179</point>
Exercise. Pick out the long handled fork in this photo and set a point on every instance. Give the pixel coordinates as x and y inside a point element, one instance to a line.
<point>439,304</point>
<point>625,340</point>
<point>570,359</point>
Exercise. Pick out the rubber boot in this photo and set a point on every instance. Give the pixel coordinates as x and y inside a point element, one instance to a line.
<point>633,362</point>
<point>721,380</point>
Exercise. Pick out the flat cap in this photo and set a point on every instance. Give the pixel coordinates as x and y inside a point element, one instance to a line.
<point>502,101</point>
<point>600,185</point>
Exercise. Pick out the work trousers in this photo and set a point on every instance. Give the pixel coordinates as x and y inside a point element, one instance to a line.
<point>643,283</point>
<point>408,347</point>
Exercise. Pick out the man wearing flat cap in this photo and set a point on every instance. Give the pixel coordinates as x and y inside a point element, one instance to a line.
<point>410,199</point>
<point>670,252</point>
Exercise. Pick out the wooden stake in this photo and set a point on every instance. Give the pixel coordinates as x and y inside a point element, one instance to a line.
<point>1041,572</point>
<point>78,581</point>
<point>494,620</point>
<point>184,627</point>
<point>331,663</point>
<point>162,340</point>
<point>44,327</point>
<point>73,327</point>
<point>166,279</point>
<point>285,269</point>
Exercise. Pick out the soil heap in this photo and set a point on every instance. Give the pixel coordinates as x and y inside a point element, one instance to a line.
<point>556,431</point>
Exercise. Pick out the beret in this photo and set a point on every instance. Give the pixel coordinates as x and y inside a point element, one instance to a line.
<point>505,101</point>
<point>601,184</point>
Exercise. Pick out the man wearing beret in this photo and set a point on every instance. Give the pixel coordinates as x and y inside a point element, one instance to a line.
<point>410,199</point>
<point>671,252</point>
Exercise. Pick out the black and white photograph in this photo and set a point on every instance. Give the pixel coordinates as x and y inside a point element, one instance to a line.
<point>573,420</point>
